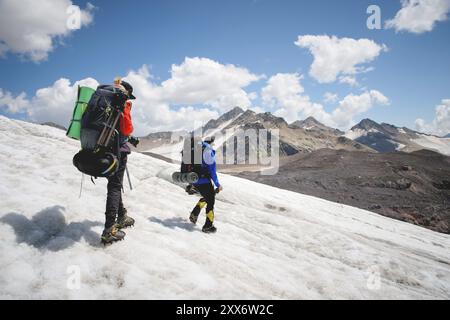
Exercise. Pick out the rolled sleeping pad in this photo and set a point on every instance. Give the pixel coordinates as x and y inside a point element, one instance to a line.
<point>176,177</point>
<point>84,95</point>
<point>190,177</point>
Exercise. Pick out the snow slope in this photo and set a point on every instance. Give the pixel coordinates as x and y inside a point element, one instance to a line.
<point>270,243</point>
<point>354,134</point>
<point>441,145</point>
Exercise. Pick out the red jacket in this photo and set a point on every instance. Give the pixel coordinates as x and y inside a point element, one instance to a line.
<point>126,125</point>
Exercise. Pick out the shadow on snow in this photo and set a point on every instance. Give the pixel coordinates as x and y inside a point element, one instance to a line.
<point>48,229</point>
<point>174,223</point>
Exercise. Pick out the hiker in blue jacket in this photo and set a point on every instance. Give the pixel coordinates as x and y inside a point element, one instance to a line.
<point>205,187</point>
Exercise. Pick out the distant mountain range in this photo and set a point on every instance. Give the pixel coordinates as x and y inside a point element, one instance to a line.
<point>388,138</point>
<point>301,136</point>
<point>54,125</point>
<point>297,137</point>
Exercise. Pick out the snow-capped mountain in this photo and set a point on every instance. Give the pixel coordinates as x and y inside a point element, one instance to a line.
<point>388,138</point>
<point>270,243</point>
<point>311,124</point>
<point>224,120</point>
<point>300,136</point>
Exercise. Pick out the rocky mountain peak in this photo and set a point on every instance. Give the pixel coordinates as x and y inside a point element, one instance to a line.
<point>312,120</point>
<point>307,123</point>
<point>367,124</point>
<point>233,113</point>
<point>312,123</point>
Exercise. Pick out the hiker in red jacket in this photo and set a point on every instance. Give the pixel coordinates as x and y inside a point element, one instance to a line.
<point>116,214</point>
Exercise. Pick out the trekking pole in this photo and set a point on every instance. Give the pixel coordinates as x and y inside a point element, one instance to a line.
<point>128,176</point>
<point>81,185</point>
<point>105,130</point>
<point>110,133</point>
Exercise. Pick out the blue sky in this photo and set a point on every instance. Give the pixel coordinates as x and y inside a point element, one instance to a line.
<point>258,35</point>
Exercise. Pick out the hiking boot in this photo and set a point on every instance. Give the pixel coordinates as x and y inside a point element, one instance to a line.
<point>209,229</point>
<point>193,218</point>
<point>124,221</point>
<point>112,234</point>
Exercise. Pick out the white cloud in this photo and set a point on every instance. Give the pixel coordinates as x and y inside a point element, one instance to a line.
<point>196,81</point>
<point>350,80</point>
<point>282,85</point>
<point>159,107</point>
<point>30,27</point>
<point>153,109</point>
<point>285,94</point>
<point>257,109</point>
<point>353,105</point>
<point>54,103</point>
<point>419,16</point>
<point>14,104</point>
<point>253,96</point>
<point>202,80</point>
<point>334,57</point>
<point>329,97</point>
<point>440,124</point>
<point>199,89</point>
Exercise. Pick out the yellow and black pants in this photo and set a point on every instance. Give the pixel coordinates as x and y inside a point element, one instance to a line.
<point>208,199</point>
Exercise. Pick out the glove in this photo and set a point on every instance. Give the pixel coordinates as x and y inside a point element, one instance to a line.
<point>190,189</point>
<point>134,141</point>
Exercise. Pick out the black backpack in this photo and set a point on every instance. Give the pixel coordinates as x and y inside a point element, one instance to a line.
<point>98,132</point>
<point>192,157</point>
<point>102,113</point>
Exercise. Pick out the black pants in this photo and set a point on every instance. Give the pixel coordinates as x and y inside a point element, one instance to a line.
<point>114,204</point>
<point>208,196</point>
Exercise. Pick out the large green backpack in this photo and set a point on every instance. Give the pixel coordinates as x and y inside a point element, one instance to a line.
<point>83,97</point>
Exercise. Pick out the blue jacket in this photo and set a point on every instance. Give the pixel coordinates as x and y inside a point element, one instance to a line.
<point>209,162</point>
